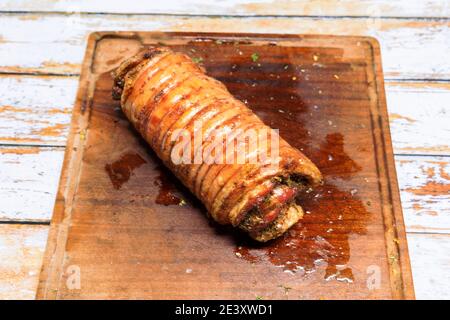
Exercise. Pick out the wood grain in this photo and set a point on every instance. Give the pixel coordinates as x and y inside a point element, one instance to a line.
<point>419,115</point>
<point>337,8</point>
<point>425,192</point>
<point>36,110</point>
<point>21,252</point>
<point>430,263</point>
<point>412,49</point>
<point>39,113</point>
<point>28,182</point>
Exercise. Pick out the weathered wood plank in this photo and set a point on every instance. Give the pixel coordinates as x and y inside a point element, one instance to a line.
<point>28,182</point>
<point>430,261</point>
<point>412,49</point>
<point>36,110</point>
<point>425,193</point>
<point>419,117</point>
<point>385,8</point>
<point>21,252</point>
<point>22,248</point>
<point>39,113</point>
<point>29,179</point>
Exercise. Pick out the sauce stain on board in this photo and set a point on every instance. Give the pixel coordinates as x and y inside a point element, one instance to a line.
<point>120,171</point>
<point>333,211</point>
<point>320,239</point>
<point>168,193</point>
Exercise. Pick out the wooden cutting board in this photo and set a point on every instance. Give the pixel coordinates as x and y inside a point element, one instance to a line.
<point>124,227</point>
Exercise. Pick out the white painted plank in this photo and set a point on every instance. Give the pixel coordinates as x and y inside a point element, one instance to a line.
<point>39,113</point>
<point>22,248</point>
<point>419,115</point>
<point>386,8</point>
<point>36,110</point>
<point>28,182</point>
<point>21,253</point>
<point>425,192</point>
<point>413,49</point>
<point>430,261</point>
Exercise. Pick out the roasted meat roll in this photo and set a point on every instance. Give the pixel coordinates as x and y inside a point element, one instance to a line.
<point>166,95</point>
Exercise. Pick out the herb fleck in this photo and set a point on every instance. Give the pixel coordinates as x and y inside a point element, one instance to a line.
<point>285,288</point>
<point>83,135</point>
<point>255,57</point>
<point>197,60</point>
<point>392,259</point>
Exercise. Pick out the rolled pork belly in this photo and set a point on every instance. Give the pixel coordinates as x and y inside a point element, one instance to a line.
<point>170,100</point>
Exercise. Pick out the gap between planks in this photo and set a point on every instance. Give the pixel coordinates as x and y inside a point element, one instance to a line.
<point>318,8</point>
<point>412,49</point>
<point>227,16</point>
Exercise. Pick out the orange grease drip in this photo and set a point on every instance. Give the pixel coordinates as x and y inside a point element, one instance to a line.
<point>308,244</point>
<point>168,193</point>
<point>120,171</point>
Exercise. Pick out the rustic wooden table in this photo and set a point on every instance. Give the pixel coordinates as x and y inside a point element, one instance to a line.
<point>41,48</point>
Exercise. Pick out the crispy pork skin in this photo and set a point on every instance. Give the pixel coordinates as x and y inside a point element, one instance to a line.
<point>165,95</point>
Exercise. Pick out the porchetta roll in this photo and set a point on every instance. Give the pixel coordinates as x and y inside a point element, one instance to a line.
<point>172,102</point>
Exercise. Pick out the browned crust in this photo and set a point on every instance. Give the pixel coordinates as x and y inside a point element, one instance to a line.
<point>236,199</point>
